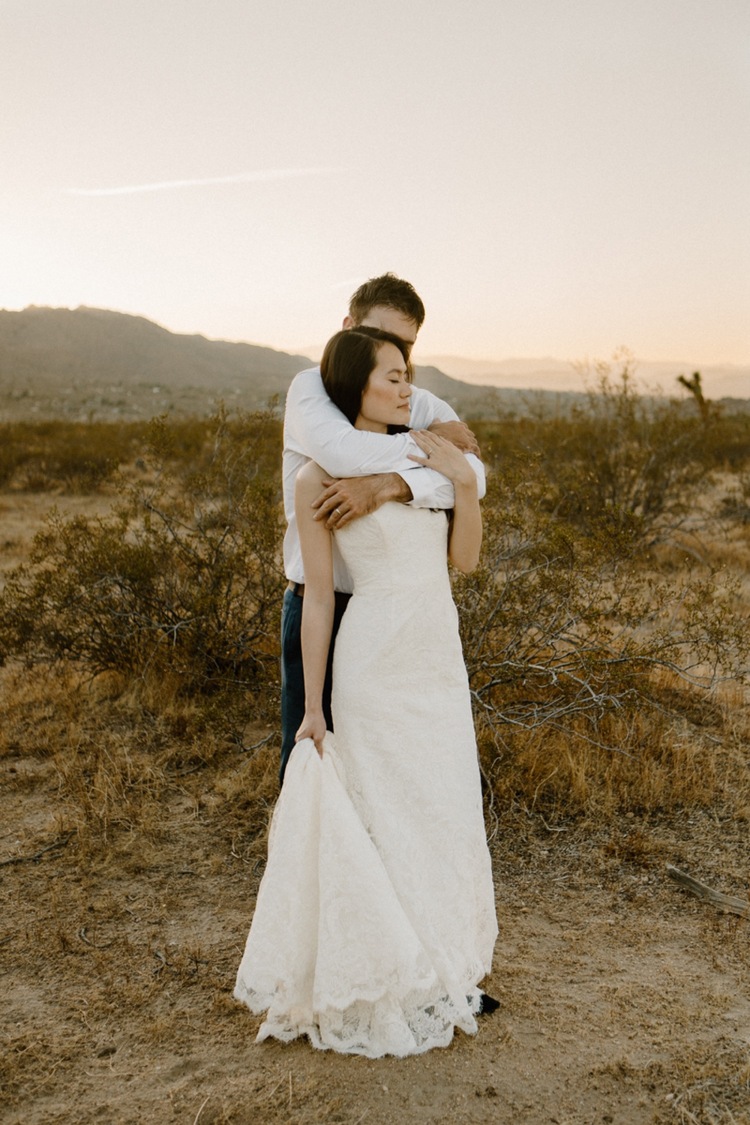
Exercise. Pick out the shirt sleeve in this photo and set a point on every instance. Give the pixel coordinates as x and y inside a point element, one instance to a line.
<point>430,489</point>
<point>427,408</point>
<point>316,428</point>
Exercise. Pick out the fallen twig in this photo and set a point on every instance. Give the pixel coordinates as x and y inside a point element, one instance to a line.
<point>60,843</point>
<point>727,903</point>
<point>82,935</point>
<point>164,963</point>
<point>256,745</point>
<point>200,1111</point>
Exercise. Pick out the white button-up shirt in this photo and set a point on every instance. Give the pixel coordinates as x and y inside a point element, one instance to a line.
<point>316,430</point>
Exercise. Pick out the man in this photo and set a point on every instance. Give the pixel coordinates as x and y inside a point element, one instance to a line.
<point>366,470</point>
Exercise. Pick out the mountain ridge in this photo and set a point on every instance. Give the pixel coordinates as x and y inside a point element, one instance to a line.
<point>98,362</point>
<point>92,362</point>
<point>548,373</point>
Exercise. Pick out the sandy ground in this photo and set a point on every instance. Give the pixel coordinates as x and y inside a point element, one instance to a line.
<point>623,998</point>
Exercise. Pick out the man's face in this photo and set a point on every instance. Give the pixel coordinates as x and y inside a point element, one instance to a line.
<point>388,320</point>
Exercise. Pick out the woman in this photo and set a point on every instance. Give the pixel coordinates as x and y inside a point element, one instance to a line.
<point>375,918</point>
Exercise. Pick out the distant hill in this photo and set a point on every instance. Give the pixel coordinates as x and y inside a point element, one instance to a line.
<point>99,346</point>
<point>95,363</point>
<point>719,380</point>
<point>88,362</point>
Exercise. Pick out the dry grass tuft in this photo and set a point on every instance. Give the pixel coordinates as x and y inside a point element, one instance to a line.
<point>115,762</point>
<point>109,786</point>
<point>714,1087</point>
<point>247,795</point>
<point>37,709</point>
<point>643,763</point>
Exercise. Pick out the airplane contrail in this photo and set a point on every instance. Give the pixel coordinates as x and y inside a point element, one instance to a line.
<point>239,178</point>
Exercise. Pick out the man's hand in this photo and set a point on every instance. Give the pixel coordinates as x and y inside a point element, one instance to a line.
<point>458,434</point>
<point>342,501</point>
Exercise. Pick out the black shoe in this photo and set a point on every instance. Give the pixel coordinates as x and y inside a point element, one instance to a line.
<point>488,1005</point>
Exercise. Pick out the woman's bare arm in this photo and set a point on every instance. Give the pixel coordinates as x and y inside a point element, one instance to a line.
<point>318,603</point>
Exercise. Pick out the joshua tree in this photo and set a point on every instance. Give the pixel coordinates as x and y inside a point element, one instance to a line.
<point>693,384</point>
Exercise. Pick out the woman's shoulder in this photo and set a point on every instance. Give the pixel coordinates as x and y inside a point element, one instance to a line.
<point>310,476</point>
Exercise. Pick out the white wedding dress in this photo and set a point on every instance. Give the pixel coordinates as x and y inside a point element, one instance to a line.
<point>375,919</point>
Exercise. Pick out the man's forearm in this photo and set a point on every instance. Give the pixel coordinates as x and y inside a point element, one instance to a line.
<point>396,488</point>
<point>344,500</point>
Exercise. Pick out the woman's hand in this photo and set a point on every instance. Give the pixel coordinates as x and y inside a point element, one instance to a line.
<point>465,537</point>
<point>442,455</point>
<point>313,726</point>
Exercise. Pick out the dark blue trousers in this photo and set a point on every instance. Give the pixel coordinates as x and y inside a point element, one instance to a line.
<point>292,675</point>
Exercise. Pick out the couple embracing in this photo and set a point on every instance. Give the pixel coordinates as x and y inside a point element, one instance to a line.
<point>375,919</point>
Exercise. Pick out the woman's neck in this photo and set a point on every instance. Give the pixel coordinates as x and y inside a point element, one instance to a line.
<point>369,426</point>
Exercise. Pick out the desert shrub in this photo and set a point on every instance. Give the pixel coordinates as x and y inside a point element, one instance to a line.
<point>622,460</point>
<point>725,442</point>
<point>575,641</point>
<point>180,583</point>
<point>622,464</point>
<point>725,433</point>
<point>615,464</point>
<point>79,457</point>
<point>72,456</point>
<point>562,628</point>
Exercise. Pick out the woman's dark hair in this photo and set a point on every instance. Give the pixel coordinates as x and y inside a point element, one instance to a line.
<point>348,360</point>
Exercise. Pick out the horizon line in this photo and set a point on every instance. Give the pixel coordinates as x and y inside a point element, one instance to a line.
<point>431,355</point>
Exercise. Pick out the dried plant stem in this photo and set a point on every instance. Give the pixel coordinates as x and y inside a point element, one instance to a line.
<point>728,903</point>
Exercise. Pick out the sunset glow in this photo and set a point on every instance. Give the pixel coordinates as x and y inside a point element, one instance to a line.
<point>555,178</point>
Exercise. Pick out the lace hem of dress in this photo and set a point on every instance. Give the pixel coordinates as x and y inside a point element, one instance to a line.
<point>335,952</point>
<point>373,1028</point>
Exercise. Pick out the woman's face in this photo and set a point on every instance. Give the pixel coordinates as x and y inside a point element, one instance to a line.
<point>386,399</point>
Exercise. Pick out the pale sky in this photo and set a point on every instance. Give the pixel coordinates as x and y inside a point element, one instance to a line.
<point>556,177</point>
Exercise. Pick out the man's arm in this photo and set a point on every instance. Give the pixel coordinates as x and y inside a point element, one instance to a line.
<point>342,501</point>
<point>346,499</point>
<point>316,428</point>
<point>458,434</point>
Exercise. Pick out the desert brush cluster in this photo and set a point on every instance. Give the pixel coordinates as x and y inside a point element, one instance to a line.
<point>606,637</point>
<point>605,631</point>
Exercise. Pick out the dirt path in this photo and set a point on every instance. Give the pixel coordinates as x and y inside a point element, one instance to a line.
<point>623,999</point>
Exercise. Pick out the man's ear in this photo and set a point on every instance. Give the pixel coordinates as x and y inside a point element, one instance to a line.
<point>348,322</point>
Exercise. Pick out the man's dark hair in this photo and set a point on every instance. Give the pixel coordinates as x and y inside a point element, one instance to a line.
<point>348,359</point>
<point>391,292</point>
